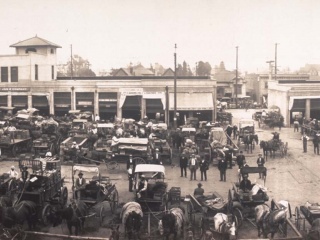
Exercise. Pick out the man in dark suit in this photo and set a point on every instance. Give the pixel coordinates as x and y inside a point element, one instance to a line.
<point>80,184</point>
<point>260,162</point>
<point>241,159</point>
<point>183,164</point>
<point>222,166</point>
<point>193,166</point>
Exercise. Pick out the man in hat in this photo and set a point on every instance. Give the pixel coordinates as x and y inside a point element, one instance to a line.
<point>130,178</point>
<point>193,166</point>
<point>183,163</point>
<point>142,187</point>
<point>315,142</point>
<point>241,159</point>
<point>260,162</point>
<point>222,166</point>
<point>80,184</point>
<point>13,173</point>
<point>228,156</point>
<point>245,184</point>
<point>304,139</point>
<point>199,191</point>
<point>131,163</point>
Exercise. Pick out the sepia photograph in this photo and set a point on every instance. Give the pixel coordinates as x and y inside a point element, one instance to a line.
<point>160,119</point>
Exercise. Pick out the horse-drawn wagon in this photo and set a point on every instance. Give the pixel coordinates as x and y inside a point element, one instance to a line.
<point>155,197</point>
<point>274,145</point>
<point>97,190</point>
<point>203,211</point>
<point>70,152</point>
<point>159,141</point>
<point>16,141</point>
<point>250,197</point>
<point>124,148</point>
<point>45,187</point>
<point>310,213</point>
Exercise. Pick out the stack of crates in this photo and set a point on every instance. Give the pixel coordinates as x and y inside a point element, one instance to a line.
<point>175,195</point>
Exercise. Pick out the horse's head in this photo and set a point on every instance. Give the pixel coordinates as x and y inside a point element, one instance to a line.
<point>230,229</point>
<point>256,138</point>
<point>167,224</point>
<point>57,215</point>
<point>262,144</point>
<point>133,223</point>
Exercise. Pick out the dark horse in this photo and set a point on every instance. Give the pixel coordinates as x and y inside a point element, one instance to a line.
<point>249,141</point>
<point>268,146</point>
<point>172,222</point>
<point>74,215</point>
<point>23,211</point>
<point>131,215</point>
<point>268,221</point>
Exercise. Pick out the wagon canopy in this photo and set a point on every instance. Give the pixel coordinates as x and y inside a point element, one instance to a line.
<point>188,130</point>
<point>246,123</point>
<point>218,134</point>
<point>105,125</point>
<point>247,170</point>
<point>90,168</point>
<point>149,168</point>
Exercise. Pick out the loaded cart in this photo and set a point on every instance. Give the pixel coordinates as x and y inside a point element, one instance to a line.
<point>16,141</point>
<point>45,186</point>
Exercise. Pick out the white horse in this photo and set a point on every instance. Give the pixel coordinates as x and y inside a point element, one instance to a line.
<point>172,223</point>
<point>223,226</point>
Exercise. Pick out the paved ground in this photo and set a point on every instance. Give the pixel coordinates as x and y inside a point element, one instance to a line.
<point>294,177</point>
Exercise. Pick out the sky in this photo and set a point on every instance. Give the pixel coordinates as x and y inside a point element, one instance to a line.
<point>113,33</point>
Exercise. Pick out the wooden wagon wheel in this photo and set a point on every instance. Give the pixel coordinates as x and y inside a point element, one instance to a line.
<point>114,201</point>
<point>63,196</point>
<point>139,160</point>
<point>297,217</point>
<point>46,211</point>
<point>238,217</point>
<point>15,150</point>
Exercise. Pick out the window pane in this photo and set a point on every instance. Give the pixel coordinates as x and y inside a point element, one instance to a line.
<point>4,74</point>
<point>14,74</point>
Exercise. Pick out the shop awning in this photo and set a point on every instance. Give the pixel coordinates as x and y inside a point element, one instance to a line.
<point>192,101</point>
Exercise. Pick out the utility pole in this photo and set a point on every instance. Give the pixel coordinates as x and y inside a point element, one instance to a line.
<point>175,88</point>
<point>71,63</point>
<point>236,90</point>
<point>275,62</point>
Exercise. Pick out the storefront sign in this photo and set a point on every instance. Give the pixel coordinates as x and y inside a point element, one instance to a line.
<point>15,89</point>
<point>86,103</point>
<point>108,100</point>
<point>131,91</point>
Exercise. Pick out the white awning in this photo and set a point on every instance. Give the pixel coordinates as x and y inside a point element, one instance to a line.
<point>192,101</point>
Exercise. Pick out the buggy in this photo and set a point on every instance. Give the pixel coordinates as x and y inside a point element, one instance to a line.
<point>159,141</point>
<point>247,201</point>
<point>45,187</point>
<point>99,189</point>
<point>156,196</point>
<point>246,126</point>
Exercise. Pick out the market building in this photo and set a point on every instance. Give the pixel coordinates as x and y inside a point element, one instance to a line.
<point>29,79</point>
<point>295,98</point>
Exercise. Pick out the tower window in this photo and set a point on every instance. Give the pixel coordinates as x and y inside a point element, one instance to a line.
<point>31,50</point>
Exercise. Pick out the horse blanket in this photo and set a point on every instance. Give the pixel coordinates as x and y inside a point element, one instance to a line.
<point>128,208</point>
